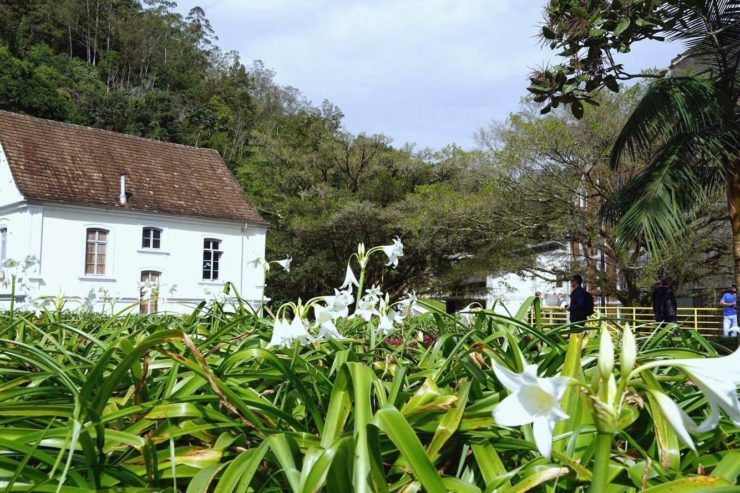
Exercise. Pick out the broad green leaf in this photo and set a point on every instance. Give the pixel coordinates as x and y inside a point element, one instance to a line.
<point>394,425</point>
<point>691,485</point>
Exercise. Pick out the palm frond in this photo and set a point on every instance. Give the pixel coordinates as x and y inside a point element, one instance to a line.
<point>711,32</point>
<point>654,204</point>
<point>671,106</point>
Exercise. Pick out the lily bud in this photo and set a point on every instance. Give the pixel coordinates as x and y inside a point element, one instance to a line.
<point>629,352</point>
<point>606,354</point>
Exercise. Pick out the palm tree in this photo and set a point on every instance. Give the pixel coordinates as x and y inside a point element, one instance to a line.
<point>687,125</point>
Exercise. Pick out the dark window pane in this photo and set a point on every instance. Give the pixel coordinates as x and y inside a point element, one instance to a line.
<point>156,234</point>
<point>156,243</point>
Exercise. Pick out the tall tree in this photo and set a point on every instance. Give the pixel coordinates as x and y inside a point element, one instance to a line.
<point>688,122</point>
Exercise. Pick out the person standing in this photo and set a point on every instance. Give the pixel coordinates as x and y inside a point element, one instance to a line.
<point>729,310</point>
<point>581,302</point>
<point>562,302</point>
<point>665,307</point>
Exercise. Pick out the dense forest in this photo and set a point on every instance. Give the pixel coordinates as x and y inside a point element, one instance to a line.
<point>143,69</point>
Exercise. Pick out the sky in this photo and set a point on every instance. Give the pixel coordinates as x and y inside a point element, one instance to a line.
<point>426,72</point>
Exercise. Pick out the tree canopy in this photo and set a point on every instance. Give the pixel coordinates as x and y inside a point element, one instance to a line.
<point>141,68</point>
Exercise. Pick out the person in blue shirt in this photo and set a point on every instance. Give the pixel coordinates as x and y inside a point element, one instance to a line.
<point>729,305</point>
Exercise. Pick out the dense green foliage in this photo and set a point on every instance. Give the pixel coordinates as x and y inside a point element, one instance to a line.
<point>687,125</point>
<point>198,404</point>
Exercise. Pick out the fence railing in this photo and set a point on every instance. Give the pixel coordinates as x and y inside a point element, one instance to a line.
<point>702,319</point>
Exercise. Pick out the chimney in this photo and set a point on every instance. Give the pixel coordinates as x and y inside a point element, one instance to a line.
<point>122,196</point>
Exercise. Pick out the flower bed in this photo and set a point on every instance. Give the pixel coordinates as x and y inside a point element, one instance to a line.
<point>478,402</point>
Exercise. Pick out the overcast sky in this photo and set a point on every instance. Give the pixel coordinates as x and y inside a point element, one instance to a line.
<point>428,72</point>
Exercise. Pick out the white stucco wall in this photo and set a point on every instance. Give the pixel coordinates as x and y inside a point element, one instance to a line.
<point>9,193</point>
<point>510,290</point>
<point>56,234</point>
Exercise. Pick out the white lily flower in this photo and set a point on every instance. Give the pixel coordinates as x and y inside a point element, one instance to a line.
<point>387,323</point>
<point>147,289</point>
<point>717,379</point>
<point>29,262</point>
<point>88,302</point>
<point>262,262</point>
<point>285,264</point>
<point>284,333</point>
<point>325,321</point>
<point>366,309</point>
<point>681,422</point>
<point>216,297</point>
<point>467,314</point>
<point>407,304</point>
<point>338,305</point>
<point>13,269</point>
<point>374,292</point>
<point>532,400</point>
<point>349,280</point>
<point>33,304</point>
<point>393,251</point>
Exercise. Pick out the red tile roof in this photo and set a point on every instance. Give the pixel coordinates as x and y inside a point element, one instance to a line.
<point>59,162</point>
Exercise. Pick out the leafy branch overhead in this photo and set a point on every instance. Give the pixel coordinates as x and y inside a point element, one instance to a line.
<point>590,35</point>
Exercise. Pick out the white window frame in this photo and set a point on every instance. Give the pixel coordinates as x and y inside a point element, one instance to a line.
<point>206,250</point>
<point>108,251</point>
<point>151,238</point>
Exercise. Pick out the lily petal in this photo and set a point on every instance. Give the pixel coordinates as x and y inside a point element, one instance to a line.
<point>542,431</point>
<point>511,412</point>
<point>512,381</point>
<point>677,418</point>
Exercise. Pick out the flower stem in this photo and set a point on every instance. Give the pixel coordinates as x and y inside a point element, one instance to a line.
<point>602,455</point>
<point>12,297</point>
<point>360,287</point>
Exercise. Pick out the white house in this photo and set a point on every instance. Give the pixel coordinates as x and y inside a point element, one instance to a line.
<point>509,290</point>
<point>107,213</point>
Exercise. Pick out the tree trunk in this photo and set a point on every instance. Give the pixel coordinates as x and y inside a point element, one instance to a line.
<point>733,199</point>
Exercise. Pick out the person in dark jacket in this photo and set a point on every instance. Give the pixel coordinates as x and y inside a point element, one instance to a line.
<point>578,300</point>
<point>664,302</point>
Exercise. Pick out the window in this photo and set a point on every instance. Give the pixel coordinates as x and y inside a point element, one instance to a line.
<point>149,291</point>
<point>151,238</point>
<point>3,244</point>
<point>97,241</point>
<point>211,258</point>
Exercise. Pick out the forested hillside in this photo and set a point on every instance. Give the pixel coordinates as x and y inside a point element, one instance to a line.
<point>143,69</point>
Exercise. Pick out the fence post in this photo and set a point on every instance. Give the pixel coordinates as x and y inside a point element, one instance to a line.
<point>696,319</point>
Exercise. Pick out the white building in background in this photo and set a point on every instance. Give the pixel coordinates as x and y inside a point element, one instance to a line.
<point>107,213</point>
<point>508,291</point>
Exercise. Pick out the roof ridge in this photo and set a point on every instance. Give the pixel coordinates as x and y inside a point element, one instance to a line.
<point>102,130</point>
